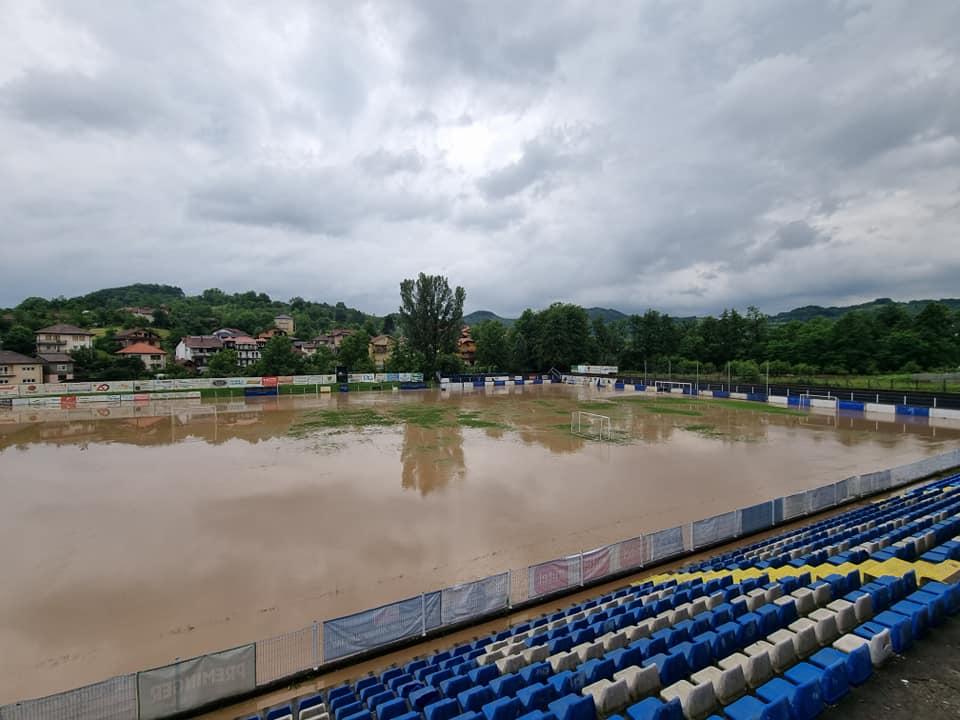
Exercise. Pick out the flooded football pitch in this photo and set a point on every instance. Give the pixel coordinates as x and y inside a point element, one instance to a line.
<point>131,535</point>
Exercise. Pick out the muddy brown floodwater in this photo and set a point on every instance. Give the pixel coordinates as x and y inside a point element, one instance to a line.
<point>133,535</point>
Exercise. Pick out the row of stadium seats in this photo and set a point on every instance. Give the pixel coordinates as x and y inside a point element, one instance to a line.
<point>778,629</point>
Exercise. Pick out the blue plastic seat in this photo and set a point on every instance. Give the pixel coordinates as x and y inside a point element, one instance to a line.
<point>483,674</point>
<point>671,667</point>
<point>506,685</point>
<point>752,708</point>
<point>574,707</point>
<point>379,699</point>
<point>501,709</point>
<point>831,677</point>
<point>535,696</point>
<point>474,698</point>
<point>445,709</point>
<point>451,687</point>
<point>566,682</point>
<point>804,699</point>
<point>536,672</point>
<point>419,699</point>
<point>391,709</point>
<point>348,709</point>
<point>653,708</point>
<point>597,669</point>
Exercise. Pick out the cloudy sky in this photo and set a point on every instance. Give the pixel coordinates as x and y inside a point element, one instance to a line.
<point>682,155</point>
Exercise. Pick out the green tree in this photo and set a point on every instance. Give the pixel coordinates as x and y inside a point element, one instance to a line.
<point>19,339</point>
<point>322,362</point>
<point>224,364</point>
<point>405,358</point>
<point>279,358</point>
<point>935,326</point>
<point>523,344</point>
<point>564,338</point>
<point>431,315</point>
<point>354,352</point>
<point>493,351</point>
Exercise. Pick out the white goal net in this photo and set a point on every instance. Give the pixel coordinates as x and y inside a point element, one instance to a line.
<point>590,425</point>
<point>673,386</point>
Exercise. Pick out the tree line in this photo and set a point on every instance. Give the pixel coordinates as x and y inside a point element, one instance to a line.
<point>859,342</point>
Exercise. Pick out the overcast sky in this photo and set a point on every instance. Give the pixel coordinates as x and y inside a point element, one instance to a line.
<point>682,155</point>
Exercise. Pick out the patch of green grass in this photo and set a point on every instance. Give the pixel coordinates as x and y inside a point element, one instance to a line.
<point>333,419</point>
<point>666,409</point>
<point>473,420</point>
<point>758,407</point>
<point>600,405</point>
<point>425,416</point>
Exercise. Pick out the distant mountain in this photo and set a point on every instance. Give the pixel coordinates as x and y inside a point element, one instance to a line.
<point>478,316</point>
<point>608,314</point>
<point>809,312</point>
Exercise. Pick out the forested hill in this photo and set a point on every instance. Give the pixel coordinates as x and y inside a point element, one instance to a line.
<point>181,314</point>
<point>605,314</point>
<point>809,312</point>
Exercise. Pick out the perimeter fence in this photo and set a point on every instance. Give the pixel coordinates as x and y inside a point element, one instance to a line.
<point>199,682</point>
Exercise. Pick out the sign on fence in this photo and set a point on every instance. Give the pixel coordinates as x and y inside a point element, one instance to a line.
<point>794,505</point>
<point>190,684</point>
<point>663,544</point>
<point>821,498</point>
<point>714,529</point>
<point>113,699</point>
<point>465,601</point>
<point>554,575</point>
<point>371,628</point>
<point>756,518</point>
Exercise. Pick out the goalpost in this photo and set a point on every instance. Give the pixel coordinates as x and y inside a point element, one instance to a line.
<point>590,425</point>
<point>809,399</point>
<point>669,385</point>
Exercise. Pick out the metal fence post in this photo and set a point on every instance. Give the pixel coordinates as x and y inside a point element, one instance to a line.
<point>316,644</point>
<point>423,615</point>
<point>581,568</point>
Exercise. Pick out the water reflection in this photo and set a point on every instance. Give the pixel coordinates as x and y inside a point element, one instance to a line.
<point>431,458</point>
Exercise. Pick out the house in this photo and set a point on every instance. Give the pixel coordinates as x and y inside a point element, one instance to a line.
<point>270,334</point>
<point>17,369</point>
<point>334,339</point>
<point>305,347</point>
<point>61,338</point>
<point>57,367</point>
<point>126,338</point>
<point>224,333</point>
<point>284,323</point>
<point>152,357</point>
<point>247,349</point>
<point>466,346</point>
<point>196,350</point>
<point>380,349</point>
<point>141,312</point>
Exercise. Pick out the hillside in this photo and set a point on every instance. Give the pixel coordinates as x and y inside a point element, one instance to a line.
<point>478,316</point>
<point>808,312</point>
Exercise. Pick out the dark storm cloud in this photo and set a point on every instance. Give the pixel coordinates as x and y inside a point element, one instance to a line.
<point>681,155</point>
<point>72,102</point>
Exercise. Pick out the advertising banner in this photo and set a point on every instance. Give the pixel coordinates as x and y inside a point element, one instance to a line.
<point>269,381</point>
<point>462,602</point>
<point>714,529</point>
<point>553,575</point>
<point>664,543</point>
<point>371,628</point>
<point>9,390</point>
<point>193,683</point>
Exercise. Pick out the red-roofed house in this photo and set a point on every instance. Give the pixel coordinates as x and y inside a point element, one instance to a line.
<point>153,358</point>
